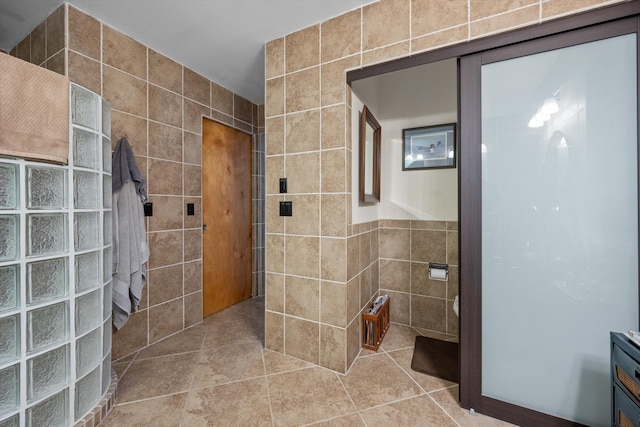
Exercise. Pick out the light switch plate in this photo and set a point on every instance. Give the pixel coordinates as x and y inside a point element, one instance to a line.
<point>286,209</point>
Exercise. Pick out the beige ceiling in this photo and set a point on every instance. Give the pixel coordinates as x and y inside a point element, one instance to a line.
<point>220,39</point>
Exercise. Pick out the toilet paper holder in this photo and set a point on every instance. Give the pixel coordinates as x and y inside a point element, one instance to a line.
<point>438,271</point>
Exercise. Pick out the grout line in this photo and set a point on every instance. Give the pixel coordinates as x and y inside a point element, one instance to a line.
<point>146,399</point>
<point>266,380</point>
<point>442,407</point>
<point>326,420</point>
<point>339,377</point>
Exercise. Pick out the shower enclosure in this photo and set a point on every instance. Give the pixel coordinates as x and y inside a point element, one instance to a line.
<point>55,276</point>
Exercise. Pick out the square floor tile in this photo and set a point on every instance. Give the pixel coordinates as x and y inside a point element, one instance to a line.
<point>307,395</point>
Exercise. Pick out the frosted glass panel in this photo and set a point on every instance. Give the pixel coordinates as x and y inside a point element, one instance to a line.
<point>106,119</point>
<point>88,353</point>
<point>107,300</point>
<point>87,271</point>
<point>84,107</point>
<point>87,393</point>
<point>47,326</point>
<point>108,264</point>
<point>9,338</point>
<point>9,230</point>
<point>85,149</point>
<point>106,155</point>
<point>86,228</point>
<point>106,337</point>
<point>47,373</point>
<point>46,188</point>
<point>106,373</point>
<point>11,422</point>
<point>46,280</point>
<point>88,310</point>
<point>46,234</point>
<point>107,192</point>
<point>108,227</point>
<point>85,190</point>
<point>8,186</point>
<point>9,287</point>
<point>559,225</point>
<point>10,390</point>
<point>51,412</point>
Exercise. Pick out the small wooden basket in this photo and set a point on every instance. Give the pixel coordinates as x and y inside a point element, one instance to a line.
<point>375,326</point>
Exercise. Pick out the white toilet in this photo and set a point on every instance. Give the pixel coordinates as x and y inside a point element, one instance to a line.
<point>456,305</point>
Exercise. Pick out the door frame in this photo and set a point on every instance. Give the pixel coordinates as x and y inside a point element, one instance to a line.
<point>560,30</point>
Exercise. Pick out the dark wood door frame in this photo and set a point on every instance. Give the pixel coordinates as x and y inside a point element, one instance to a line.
<point>471,219</point>
<point>558,32</point>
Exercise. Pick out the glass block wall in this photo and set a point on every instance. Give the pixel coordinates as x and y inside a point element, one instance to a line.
<point>55,276</point>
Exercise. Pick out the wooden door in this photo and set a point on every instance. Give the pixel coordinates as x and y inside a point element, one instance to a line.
<point>226,215</point>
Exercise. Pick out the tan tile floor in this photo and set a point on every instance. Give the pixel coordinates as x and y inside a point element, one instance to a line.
<point>217,373</point>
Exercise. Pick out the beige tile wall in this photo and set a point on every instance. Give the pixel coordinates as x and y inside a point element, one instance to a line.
<point>307,113</point>
<point>406,248</point>
<point>158,104</point>
<point>45,45</point>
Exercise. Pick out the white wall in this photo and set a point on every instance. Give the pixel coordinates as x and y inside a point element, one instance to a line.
<point>421,96</point>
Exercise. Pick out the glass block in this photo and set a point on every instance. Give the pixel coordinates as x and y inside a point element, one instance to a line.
<point>46,188</point>
<point>9,338</point>
<point>85,149</point>
<point>87,393</point>
<point>47,373</point>
<point>46,234</point>
<point>46,280</point>
<point>106,155</point>
<point>11,421</point>
<point>10,390</point>
<point>87,271</point>
<point>106,118</point>
<point>8,186</point>
<point>107,264</point>
<point>107,192</point>
<point>106,337</point>
<point>51,412</point>
<point>88,310</point>
<point>85,190</point>
<point>84,107</point>
<point>88,353</point>
<point>9,244</point>
<point>86,228</point>
<point>107,300</point>
<point>9,287</point>
<point>107,226</point>
<point>47,326</point>
<point>106,374</point>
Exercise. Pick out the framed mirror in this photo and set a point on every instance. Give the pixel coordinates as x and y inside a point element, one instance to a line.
<point>369,141</point>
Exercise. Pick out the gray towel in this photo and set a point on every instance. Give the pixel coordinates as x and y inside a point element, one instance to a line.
<point>130,249</point>
<point>125,168</point>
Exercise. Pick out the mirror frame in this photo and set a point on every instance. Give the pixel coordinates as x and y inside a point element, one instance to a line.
<point>367,119</point>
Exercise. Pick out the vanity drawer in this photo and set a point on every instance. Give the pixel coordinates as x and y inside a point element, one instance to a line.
<point>625,412</point>
<point>626,372</point>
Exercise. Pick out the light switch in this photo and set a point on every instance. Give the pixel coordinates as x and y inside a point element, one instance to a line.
<point>286,209</point>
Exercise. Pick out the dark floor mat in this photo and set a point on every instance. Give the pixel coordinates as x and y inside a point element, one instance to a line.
<point>436,357</point>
